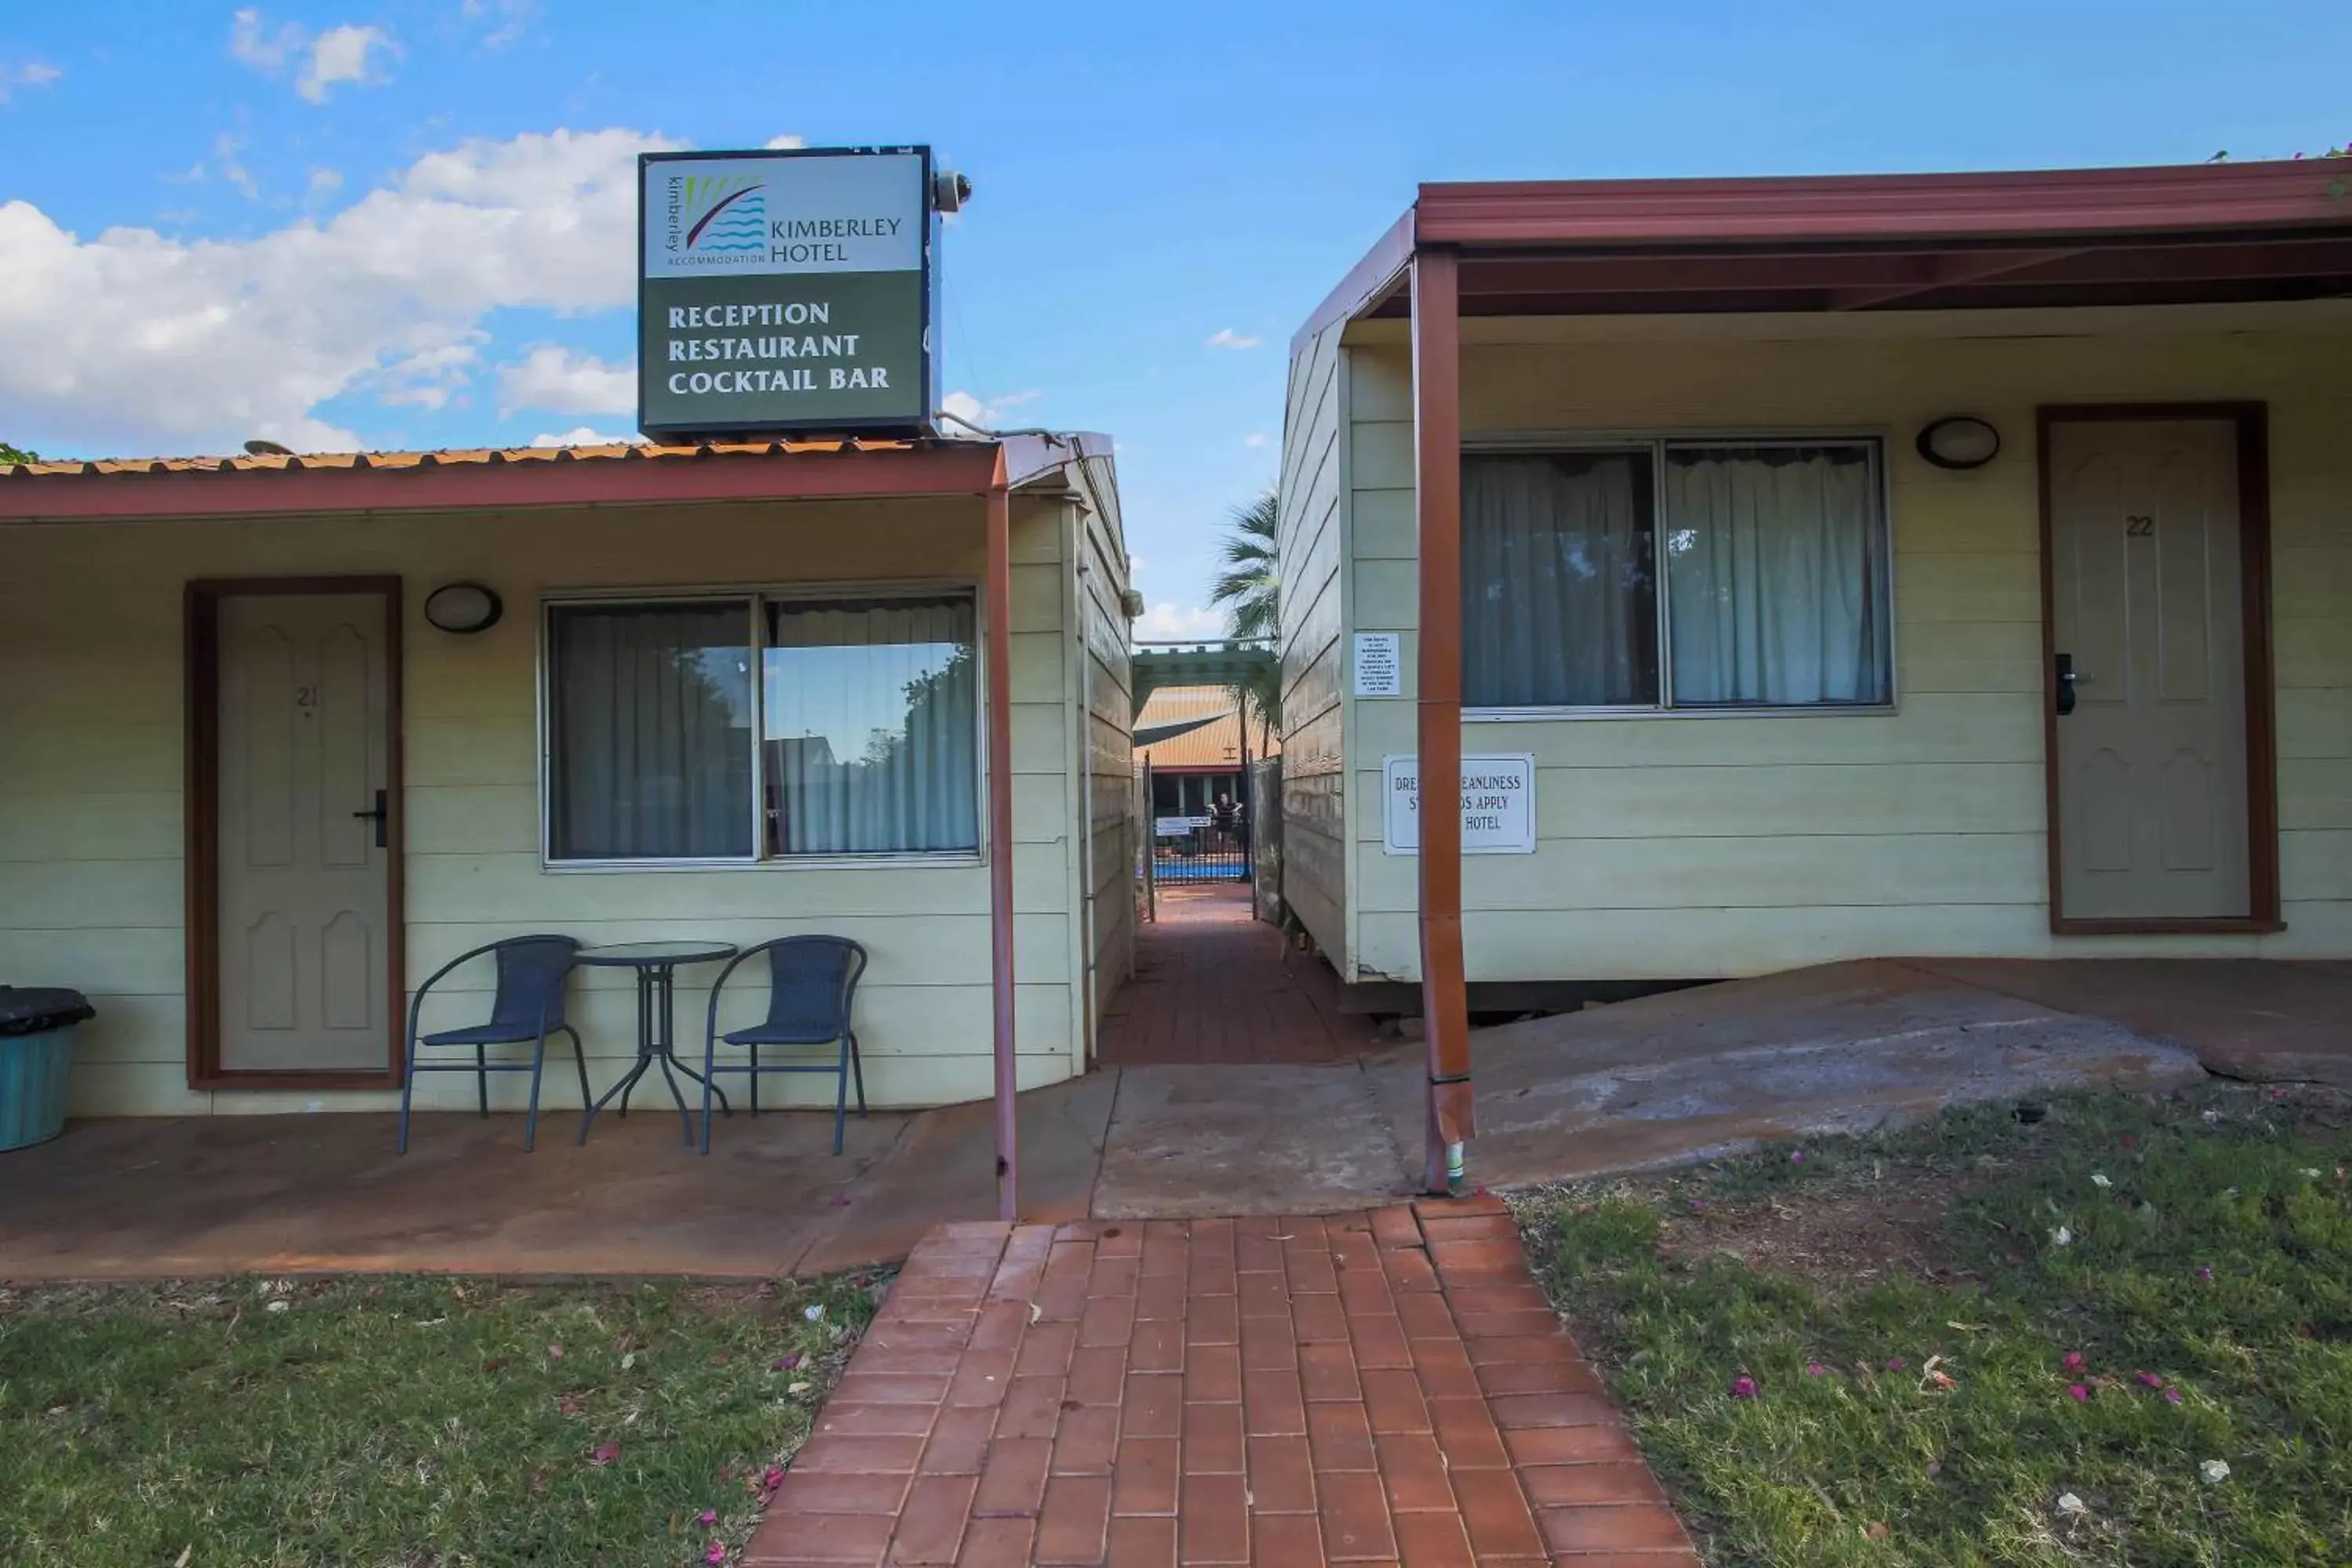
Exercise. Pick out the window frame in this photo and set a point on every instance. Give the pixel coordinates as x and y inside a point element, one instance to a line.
<point>1656,443</point>
<point>753,599</point>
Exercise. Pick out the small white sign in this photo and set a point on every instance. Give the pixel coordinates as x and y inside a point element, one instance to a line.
<point>1380,663</point>
<point>1498,805</point>
<point>1177,826</point>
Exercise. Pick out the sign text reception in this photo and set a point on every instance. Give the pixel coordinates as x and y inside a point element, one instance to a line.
<point>784,291</point>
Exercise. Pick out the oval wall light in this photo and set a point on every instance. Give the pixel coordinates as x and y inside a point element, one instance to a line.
<point>463,608</point>
<point>1960,441</point>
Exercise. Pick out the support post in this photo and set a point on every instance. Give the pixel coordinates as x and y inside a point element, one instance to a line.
<point>1437,478</point>
<point>999,614</point>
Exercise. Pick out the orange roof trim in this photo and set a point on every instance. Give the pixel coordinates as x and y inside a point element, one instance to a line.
<point>621,473</point>
<point>247,463</point>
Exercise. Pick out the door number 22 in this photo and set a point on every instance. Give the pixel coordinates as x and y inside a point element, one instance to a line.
<point>2139,527</point>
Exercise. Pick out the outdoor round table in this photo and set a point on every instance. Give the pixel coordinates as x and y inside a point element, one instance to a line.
<point>656,963</point>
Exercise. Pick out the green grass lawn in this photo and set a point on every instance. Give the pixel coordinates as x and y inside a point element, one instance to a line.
<point>404,1421</point>
<point>1991,1340</point>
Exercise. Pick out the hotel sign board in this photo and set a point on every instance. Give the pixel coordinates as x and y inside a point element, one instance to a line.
<point>785,292</point>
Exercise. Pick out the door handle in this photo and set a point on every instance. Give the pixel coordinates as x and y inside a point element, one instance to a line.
<point>2066,680</point>
<point>382,812</point>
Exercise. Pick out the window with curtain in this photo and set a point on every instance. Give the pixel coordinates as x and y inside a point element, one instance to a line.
<point>650,754</point>
<point>848,726</point>
<point>1678,574</point>
<point>872,726</point>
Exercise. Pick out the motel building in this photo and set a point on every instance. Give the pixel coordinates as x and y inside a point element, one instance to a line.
<point>1699,578</point>
<point>288,733</point>
<point>1680,579</point>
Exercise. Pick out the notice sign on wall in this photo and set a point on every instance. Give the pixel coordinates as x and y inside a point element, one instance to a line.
<point>1498,805</point>
<point>1380,665</point>
<point>784,291</point>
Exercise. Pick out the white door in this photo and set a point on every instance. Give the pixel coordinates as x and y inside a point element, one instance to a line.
<point>305,878</point>
<point>2148,627</point>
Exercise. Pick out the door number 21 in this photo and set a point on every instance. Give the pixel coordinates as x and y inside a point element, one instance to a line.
<point>2139,528</point>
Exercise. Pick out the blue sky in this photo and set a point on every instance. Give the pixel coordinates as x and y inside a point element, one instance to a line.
<point>407,222</point>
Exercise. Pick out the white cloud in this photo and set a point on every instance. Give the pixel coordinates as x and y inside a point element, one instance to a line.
<point>266,52</point>
<point>784,143</point>
<point>582,436</point>
<point>987,414</point>
<point>349,52</point>
<point>557,379</point>
<point>128,341</point>
<point>343,53</point>
<point>226,146</point>
<point>1226,337</point>
<point>32,73</point>
<point>1171,623</point>
<point>1254,439</point>
<point>324,183</point>
<point>509,19</point>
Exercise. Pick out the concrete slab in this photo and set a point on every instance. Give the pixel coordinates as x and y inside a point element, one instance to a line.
<point>133,1198</point>
<point>2264,1020</point>
<point>1838,1048</point>
<point>1194,1140</point>
<point>944,1169</point>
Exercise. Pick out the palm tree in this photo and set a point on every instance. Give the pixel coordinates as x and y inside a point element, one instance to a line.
<point>1249,590</point>
<point>1250,587</point>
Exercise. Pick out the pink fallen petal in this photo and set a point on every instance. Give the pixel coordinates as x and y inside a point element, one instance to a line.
<point>555,1353</point>
<point>711,1516</point>
<point>2204,1272</point>
<point>718,1553</point>
<point>604,1454</point>
<point>775,1478</point>
<point>1815,1369</point>
<point>2151,1380</point>
<point>2074,1362</point>
<point>2078,1394</point>
<point>2173,1396</point>
<point>1894,1363</point>
<point>1743,1388</point>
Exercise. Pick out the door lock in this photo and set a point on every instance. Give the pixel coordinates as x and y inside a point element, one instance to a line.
<point>382,814</point>
<point>2066,680</point>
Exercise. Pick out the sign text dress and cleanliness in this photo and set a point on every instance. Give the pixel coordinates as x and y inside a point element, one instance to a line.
<point>784,291</point>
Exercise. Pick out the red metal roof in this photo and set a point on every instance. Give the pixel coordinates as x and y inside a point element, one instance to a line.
<point>2198,197</point>
<point>2052,237</point>
<point>474,479</point>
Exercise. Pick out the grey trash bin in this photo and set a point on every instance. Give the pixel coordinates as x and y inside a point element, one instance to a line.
<point>37,1031</point>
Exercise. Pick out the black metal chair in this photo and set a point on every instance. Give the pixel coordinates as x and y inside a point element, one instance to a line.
<point>529,1006</point>
<point>812,986</point>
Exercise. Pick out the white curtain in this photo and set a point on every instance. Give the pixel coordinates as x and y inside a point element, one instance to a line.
<point>872,726</point>
<point>651,749</point>
<point>1775,577</point>
<point>1559,598</point>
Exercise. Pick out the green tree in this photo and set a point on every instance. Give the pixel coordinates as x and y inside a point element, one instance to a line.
<point>1249,590</point>
<point>16,455</point>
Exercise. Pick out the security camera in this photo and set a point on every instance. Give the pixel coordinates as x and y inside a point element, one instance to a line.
<point>950,191</point>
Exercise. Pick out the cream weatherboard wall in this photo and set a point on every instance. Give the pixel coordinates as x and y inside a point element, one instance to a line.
<point>1309,529</point>
<point>91,763</point>
<point>1687,847</point>
<point>1107,712</point>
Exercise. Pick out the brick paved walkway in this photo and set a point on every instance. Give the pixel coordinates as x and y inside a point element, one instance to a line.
<point>1381,1387</point>
<point>1213,984</point>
